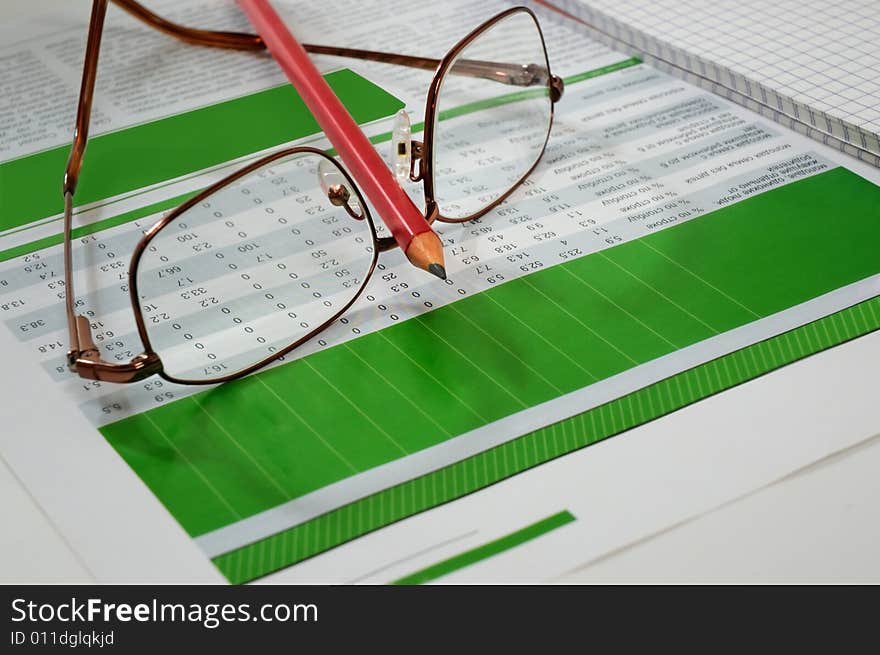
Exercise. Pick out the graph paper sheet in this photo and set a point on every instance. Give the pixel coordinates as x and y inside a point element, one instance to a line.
<point>815,61</point>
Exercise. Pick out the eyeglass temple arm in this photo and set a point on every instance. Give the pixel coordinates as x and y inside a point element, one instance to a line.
<point>84,356</point>
<point>505,73</point>
<point>79,347</point>
<point>515,74</point>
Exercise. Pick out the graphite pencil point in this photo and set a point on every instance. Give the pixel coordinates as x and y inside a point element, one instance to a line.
<point>437,270</point>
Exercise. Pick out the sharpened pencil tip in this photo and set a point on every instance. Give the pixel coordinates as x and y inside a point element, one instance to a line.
<point>437,270</point>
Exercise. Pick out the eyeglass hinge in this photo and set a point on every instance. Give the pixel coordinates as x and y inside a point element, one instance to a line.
<point>89,365</point>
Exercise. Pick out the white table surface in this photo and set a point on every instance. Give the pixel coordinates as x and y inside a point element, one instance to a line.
<point>818,525</point>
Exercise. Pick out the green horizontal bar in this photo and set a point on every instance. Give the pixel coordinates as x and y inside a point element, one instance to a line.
<point>487,550</point>
<point>143,155</point>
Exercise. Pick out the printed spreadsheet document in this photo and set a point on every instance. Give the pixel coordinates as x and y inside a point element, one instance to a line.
<point>567,312</point>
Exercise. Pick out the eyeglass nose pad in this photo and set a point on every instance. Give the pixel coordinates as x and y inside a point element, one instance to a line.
<point>401,147</point>
<point>334,186</point>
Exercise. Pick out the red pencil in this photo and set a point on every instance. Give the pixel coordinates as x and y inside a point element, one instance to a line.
<point>407,224</point>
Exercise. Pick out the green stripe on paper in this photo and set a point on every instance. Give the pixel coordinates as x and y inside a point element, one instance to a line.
<point>487,550</point>
<point>496,101</point>
<point>143,155</point>
<point>598,72</point>
<point>575,323</point>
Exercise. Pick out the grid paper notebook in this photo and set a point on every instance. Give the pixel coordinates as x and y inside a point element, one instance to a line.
<point>814,61</point>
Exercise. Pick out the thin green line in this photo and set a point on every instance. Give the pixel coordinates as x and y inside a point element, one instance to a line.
<point>597,72</point>
<point>98,226</point>
<point>526,94</point>
<point>488,103</point>
<point>511,97</point>
<point>487,550</point>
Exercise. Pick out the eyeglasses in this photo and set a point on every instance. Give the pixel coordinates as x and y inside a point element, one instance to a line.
<point>265,259</point>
